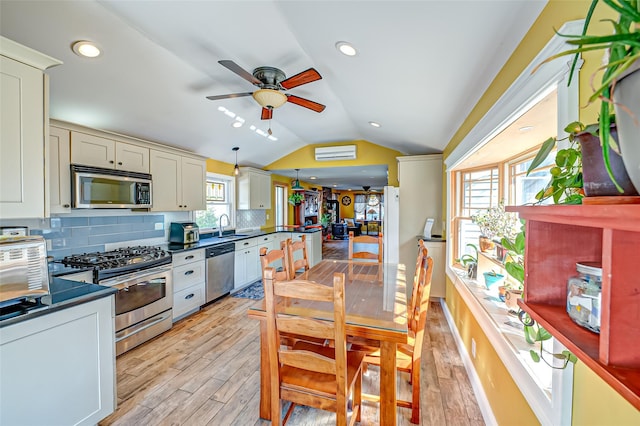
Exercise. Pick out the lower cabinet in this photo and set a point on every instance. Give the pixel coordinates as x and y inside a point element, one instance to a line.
<point>247,262</point>
<point>189,276</point>
<point>437,253</point>
<point>59,368</point>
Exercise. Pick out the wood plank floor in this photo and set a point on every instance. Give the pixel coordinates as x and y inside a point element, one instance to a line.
<point>205,371</point>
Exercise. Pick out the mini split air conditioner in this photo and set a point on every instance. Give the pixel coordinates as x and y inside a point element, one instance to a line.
<point>344,152</point>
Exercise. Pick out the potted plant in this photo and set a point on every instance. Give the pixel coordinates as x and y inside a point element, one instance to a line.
<point>494,222</point>
<point>470,262</point>
<point>515,268</point>
<point>579,169</point>
<point>296,198</point>
<point>620,82</point>
<point>491,278</point>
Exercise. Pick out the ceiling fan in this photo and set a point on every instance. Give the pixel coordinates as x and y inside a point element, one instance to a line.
<point>272,83</point>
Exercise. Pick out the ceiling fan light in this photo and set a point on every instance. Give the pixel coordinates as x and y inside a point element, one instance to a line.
<point>269,98</point>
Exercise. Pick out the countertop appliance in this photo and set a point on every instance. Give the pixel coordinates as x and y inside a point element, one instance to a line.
<point>14,231</point>
<point>220,270</point>
<point>142,276</point>
<point>97,188</point>
<point>24,276</point>
<point>184,232</point>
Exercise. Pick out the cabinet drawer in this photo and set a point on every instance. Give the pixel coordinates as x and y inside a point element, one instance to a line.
<point>187,256</point>
<point>243,244</point>
<point>187,275</point>
<point>188,300</point>
<point>83,277</point>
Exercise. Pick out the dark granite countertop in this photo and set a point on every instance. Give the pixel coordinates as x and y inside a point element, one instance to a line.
<point>63,294</point>
<point>228,237</point>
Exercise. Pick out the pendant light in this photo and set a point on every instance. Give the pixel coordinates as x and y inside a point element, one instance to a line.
<point>236,169</point>
<point>296,184</point>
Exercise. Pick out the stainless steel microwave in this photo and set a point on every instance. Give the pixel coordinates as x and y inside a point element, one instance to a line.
<point>97,188</point>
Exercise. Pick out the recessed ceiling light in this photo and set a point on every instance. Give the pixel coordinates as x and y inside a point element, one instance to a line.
<point>525,128</point>
<point>85,48</point>
<point>346,48</point>
<point>236,124</point>
<point>374,124</point>
<point>313,177</point>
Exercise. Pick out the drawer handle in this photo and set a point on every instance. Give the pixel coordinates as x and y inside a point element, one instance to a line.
<point>189,257</point>
<point>189,272</point>
<point>246,244</point>
<point>189,296</point>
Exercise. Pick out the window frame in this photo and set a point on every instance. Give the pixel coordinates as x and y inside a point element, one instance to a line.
<point>230,182</point>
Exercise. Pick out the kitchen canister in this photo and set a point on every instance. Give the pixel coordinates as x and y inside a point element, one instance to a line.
<point>584,295</point>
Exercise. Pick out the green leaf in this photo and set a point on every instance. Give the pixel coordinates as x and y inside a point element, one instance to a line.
<point>529,334</point>
<point>543,153</point>
<point>534,355</point>
<point>574,127</point>
<point>543,334</point>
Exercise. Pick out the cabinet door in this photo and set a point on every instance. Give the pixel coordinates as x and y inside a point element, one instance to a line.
<point>194,176</point>
<point>90,150</point>
<point>437,253</point>
<point>240,272</point>
<point>132,158</point>
<point>59,171</point>
<point>256,198</point>
<point>253,268</point>
<point>265,191</point>
<point>165,171</point>
<point>22,138</point>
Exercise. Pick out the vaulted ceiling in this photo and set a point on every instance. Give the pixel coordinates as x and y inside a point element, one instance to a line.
<point>420,68</point>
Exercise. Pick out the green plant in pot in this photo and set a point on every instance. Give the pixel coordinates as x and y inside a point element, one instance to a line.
<point>515,268</point>
<point>494,223</point>
<point>619,85</point>
<point>296,198</point>
<point>470,262</point>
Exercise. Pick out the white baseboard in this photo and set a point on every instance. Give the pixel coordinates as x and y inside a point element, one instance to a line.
<point>478,390</point>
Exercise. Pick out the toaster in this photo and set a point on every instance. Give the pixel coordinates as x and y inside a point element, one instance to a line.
<point>184,233</point>
<point>23,267</point>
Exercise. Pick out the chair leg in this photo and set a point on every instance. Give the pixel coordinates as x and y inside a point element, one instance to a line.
<point>415,394</point>
<point>286,416</point>
<point>357,397</point>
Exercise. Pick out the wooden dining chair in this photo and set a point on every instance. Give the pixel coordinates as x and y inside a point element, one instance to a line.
<point>276,259</point>
<point>308,374</point>
<point>409,355</point>
<point>302,260</point>
<point>423,253</point>
<point>370,252</point>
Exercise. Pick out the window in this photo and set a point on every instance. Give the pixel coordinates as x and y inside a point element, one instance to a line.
<point>523,188</point>
<point>368,207</point>
<point>220,200</point>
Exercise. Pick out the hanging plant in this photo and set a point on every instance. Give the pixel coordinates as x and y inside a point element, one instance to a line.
<point>296,198</point>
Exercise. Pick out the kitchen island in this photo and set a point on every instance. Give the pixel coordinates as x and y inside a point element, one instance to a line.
<point>57,361</point>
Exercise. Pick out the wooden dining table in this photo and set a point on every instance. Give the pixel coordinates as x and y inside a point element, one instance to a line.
<point>376,309</point>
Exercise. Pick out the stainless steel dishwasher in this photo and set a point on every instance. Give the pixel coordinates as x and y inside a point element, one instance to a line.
<point>220,271</point>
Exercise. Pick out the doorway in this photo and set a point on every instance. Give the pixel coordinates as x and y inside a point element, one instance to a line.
<point>280,204</point>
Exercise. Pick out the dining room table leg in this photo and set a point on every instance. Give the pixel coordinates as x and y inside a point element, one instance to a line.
<point>265,378</point>
<point>387,383</point>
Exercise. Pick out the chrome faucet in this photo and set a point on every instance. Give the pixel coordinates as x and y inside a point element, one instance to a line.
<point>220,223</point>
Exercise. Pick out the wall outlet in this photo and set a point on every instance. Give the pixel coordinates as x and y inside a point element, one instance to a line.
<point>267,216</point>
<point>473,348</point>
<point>159,226</point>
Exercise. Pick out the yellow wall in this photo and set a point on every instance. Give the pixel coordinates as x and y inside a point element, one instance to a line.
<point>215,166</point>
<point>594,401</point>
<point>367,154</point>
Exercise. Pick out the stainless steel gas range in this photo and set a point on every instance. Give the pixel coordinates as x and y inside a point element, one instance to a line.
<point>144,300</point>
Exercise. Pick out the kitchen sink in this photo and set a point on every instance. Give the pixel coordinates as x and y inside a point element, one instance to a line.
<point>231,236</point>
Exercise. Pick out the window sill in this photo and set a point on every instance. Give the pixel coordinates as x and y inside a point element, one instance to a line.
<point>505,332</point>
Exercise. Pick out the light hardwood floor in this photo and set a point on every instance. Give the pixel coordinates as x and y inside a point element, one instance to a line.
<point>205,370</point>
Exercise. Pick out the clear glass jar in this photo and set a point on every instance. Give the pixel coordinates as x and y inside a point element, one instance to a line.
<point>584,295</point>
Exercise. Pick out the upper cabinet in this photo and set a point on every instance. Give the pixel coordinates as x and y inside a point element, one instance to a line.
<point>90,150</point>
<point>254,189</point>
<point>178,182</point>
<point>23,131</point>
<point>59,170</point>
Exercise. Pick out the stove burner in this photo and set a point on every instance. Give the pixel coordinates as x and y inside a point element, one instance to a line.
<point>120,258</point>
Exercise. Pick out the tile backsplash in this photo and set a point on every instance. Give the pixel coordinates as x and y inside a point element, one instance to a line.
<point>250,218</point>
<point>75,234</point>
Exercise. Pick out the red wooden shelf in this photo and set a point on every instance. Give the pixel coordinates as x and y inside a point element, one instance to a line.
<point>556,238</point>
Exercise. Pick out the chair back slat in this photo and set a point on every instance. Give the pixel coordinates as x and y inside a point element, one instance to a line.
<point>373,244</point>
<point>302,262</point>
<point>277,259</point>
<point>418,278</point>
<point>308,327</point>
<point>419,315</point>
<point>303,359</point>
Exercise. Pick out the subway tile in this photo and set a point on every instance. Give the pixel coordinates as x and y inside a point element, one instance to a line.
<point>59,243</point>
<point>81,231</point>
<point>73,221</point>
<point>153,234</point>
<point>131,219</point>
<point>60,254</point>
<point>110,229</point>
<point>154,218</point>
<point>103,220</point>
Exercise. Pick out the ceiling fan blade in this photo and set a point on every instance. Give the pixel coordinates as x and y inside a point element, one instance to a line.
<point>230,95</point>
<point>267,113</point>
<point>232,66</point>
<point>305,103</point>
<point>299,79</point>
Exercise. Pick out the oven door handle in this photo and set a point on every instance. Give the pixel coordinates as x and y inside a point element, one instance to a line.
<point>142,325</point>
<point>114,282</point>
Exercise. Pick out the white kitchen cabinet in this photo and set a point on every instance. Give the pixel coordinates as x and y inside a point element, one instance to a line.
<point>24,134</point>
<point>189,281</point>
<point>64,360</point>
<point>92,150</point>
<point>438,254</point>
<point>247,263</point>
<point>59,171</point>
<point>178,182</point>
<point>254,189</point>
